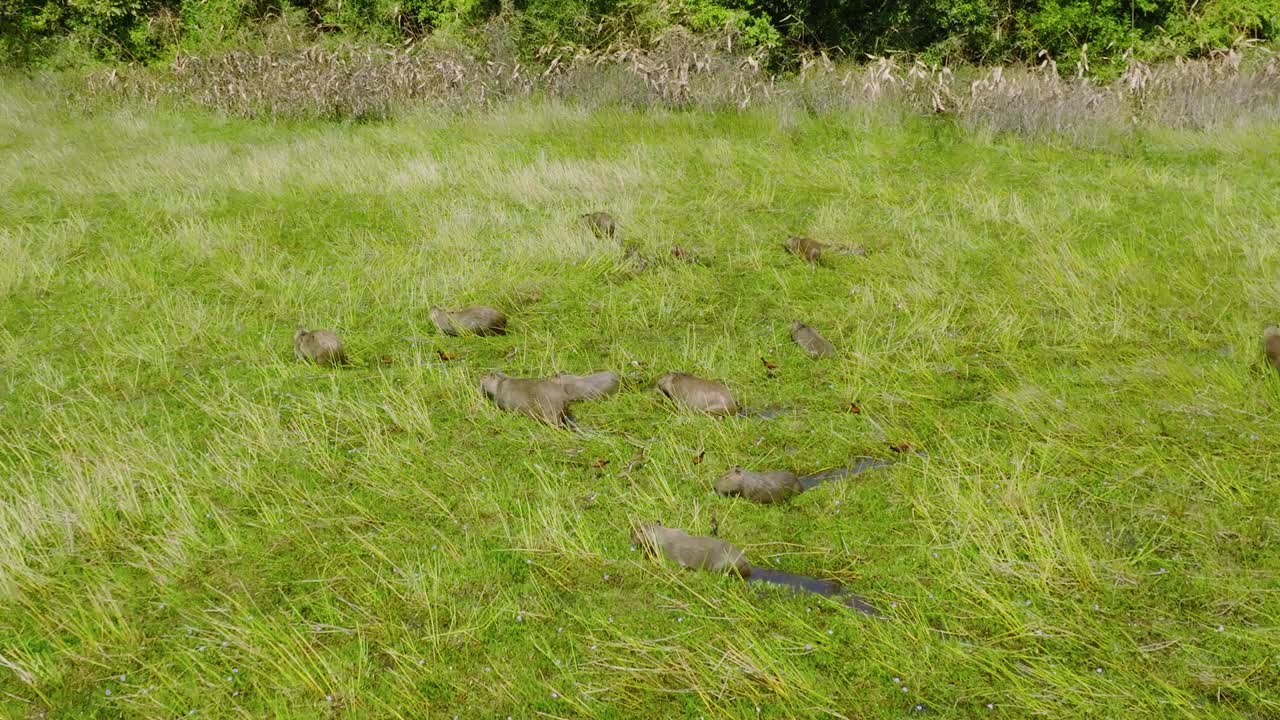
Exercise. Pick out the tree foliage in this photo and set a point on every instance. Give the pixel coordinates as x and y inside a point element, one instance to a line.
<point>984,31</point>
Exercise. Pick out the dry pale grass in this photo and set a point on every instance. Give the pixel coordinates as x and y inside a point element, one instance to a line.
<point>683,71</point>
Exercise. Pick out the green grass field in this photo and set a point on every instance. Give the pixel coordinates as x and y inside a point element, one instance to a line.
<point>192,523</point>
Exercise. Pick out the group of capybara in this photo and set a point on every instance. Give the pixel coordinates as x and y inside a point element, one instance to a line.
<point>548,400</point>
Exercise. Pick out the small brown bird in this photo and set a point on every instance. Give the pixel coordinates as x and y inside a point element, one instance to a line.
<point>475,320</point>
<point>601,224</point>
<point>804,247</point>
<point>321,347</point>
<point>1271,345</point>
<point>698,394</point>
<point>811,341</point>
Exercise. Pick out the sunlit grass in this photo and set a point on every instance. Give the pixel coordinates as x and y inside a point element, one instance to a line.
<point>191,520</point>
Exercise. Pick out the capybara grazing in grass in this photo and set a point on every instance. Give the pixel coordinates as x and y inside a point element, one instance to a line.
<point>322,347</point>
<point>804,247</point>
<point>544,400</point>
<point>759,487</point>
<point>476,320</point>
<point>1271,345</point>
<point>718,556</point>
<point>774,486</point>
<point>811,341</point>
<point>696,393</point>
<point>602,225</point>
<point>691,551</point>
<point>588,387</point>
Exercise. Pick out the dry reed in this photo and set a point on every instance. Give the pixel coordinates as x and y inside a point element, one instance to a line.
<point>682,71</point>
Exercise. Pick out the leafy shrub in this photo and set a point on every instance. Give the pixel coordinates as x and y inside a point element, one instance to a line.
<point>940,31</point>
<point>1221,23</point>
<point>208,23</point>
<point>752,30</point>
<point>110,29</point>
<point>448,14</point>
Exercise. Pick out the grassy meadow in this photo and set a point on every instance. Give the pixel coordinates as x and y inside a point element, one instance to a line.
<point>192,523</point>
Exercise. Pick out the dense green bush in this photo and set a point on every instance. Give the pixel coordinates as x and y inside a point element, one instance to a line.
<point>984,31</point>
<point>1221,22</point>
<point>113,29</point>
